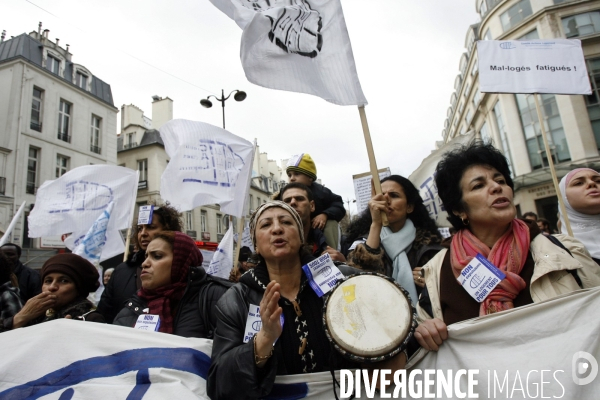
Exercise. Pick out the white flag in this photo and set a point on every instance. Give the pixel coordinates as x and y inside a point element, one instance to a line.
<point>246,239</point>
<point>222,260</point>
<point>73,202</point>
<point>297,45</point>
<point>92,244</point>
<point>208,165</point>
<point>114,243</point>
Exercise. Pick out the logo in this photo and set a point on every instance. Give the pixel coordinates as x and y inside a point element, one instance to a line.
<point>476,281</point>
<point>584,368</point>
<point>326,271</point>
<point>507,45</point>
<point>256,325</point>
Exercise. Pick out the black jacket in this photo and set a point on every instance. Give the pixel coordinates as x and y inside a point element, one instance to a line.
<point>195,315</point>
<point>30,281</point>
<point>233,360</point>
<point>123,285</point>
<point>327,202</point>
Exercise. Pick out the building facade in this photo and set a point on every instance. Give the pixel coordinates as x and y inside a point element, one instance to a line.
<point>510,121</point>
<point>55,115</point>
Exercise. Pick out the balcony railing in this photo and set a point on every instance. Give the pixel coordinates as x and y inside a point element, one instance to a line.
<point>142,185</point>
<point>64,137</point>
<point>95,149</point>
<point>30,188</point>
<point>130,145</point>
<point>35,126</point>
<point>2,186</point>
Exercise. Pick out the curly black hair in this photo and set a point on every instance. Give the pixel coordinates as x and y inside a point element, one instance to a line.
<point>453,165</point>
<point>419,217</point>
<point>168,216</point>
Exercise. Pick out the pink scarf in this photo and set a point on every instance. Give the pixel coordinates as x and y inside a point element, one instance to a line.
<point>508,254</point>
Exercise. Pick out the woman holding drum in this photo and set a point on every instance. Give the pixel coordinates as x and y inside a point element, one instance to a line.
<point>475,186</point>
<point>400,249</point>
<point>291,338</point>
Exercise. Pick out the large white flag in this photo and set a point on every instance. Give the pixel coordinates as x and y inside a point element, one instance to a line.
<point>73,202</point>
<point>222,260</point>
<point>297,45</point>
<point>208,165</point>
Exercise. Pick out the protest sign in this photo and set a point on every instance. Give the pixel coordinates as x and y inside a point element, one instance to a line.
<point>208,165</point>
<point>73,202</point>
<point>221,262</point>
<point>532,66</point>
<point>362,188</point>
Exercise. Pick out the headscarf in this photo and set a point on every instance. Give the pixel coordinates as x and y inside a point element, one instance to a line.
<point>81,271</point>
<point>274,203</point>
<point>586,227</point>
<point>185,255</point>
<point>509,254</point>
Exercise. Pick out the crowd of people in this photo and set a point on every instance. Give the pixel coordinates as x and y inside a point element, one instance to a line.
<point>164,277</point>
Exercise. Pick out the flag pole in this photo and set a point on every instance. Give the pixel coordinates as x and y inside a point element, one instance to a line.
<point>12,224</point>
<point>563,210</point>
<point>128,240</point>
<point>371,153</point>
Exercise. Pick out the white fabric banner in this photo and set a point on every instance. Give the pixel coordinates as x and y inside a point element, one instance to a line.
<point>222,261</point>
<point>74,201</point>
<point>424,179</point>
<point>297,45</point>
<point>532,66</point>
<point>114,243</point>
<point>208,165</point>
<point>538,351</point>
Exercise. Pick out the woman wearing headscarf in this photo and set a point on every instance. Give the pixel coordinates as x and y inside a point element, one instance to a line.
<point>580,191</point>
<point>400,249</point>
<point>291,338</point>
<point>67,280</point>
<point>175,287</point>
<point>475,186</point>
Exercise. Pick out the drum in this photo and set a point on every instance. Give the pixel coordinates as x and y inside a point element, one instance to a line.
<point>368,317</point>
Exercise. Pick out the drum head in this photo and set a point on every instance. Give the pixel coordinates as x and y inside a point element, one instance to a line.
<point>368,317</point>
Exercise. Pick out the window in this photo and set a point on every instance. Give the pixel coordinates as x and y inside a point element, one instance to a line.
<point>219,224</point>
<point>52,64</point>
<point>515,14</point>
<point>64,117</point>
<point>466,93</point>
<point>483,8</point>
<point>32,168</point>
<point>530,36</point>
<point>258,203</point>
<point>95,134</point>
<point>487,35</point>
<point>503,138</point>
<point>461,108</point>
<point>484,132</point>
<point>81,80</point>
<point>532,130</point>
<point>475,68</point>
<point>62,165</point>
<point>582,24</point>
<point>189,221</point>
<point>203,217</point>
<point>593,100</point>
<point>36,110</point>
<point>476,97</point>
<point>468,117</point>
<point>143,168</point>
<point>130,140</point>
<point>251,199</point>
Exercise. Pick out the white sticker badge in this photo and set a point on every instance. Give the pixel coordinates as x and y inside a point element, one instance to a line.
<point>322,274</point>
<point>480,277</point>
<point>148,322</point>
<point>254,323</point>
<point>145,215</point>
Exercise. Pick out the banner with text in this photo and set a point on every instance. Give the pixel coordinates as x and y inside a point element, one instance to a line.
<point>532,66</point>
<point>362,188</point>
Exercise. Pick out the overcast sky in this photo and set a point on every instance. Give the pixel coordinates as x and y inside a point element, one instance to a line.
<point>406,52</point>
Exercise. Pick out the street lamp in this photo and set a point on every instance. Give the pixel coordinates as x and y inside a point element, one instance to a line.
<point>350,212</point>
<point>238,96</point>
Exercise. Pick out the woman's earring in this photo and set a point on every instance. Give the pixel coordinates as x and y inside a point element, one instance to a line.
<point>465,221</point>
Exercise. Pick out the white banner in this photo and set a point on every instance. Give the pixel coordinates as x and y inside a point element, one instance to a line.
<point>532,66</point>
<point>362,187</point>
<point>246,239</point>
<point>297,45</point>
<point>74,201</point>
<point>545,350</point>
<point>222,261</point>
<point>424,179</point>
<point>208,165</point>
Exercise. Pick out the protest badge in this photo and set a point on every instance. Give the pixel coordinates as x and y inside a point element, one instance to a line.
<point>148,322</point>
<point>480,277</point>
<point>554,66</point>
<point>254,323</point>
<point>145,215</point>
<point>362,188</point>
<point>322,274</point>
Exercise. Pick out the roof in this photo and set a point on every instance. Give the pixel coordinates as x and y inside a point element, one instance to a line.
<point>30,49</point>
<point>150,137</point>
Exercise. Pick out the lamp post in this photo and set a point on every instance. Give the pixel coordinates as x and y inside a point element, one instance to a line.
<point>350,212</point>
<point>238,96</point>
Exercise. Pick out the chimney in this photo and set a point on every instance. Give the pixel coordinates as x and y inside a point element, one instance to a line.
<point>39,28</point>
<point>57,39</point>
<point>162,111</point>
<point>3,36</point>
<point>45,33</point>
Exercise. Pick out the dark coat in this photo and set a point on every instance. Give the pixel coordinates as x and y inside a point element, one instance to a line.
<point>195,316</point>
<point>30,281</point>
<point>327,202</point>
<point>233,360</point>
<point>123,285</point>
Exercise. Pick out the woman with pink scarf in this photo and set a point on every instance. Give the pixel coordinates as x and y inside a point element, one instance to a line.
<point>475,186</point>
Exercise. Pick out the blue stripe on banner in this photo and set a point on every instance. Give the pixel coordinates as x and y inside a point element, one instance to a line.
<point>293,391</point>
<point>180,359</point>
<point>67,394</point>
<point>142,384</point>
